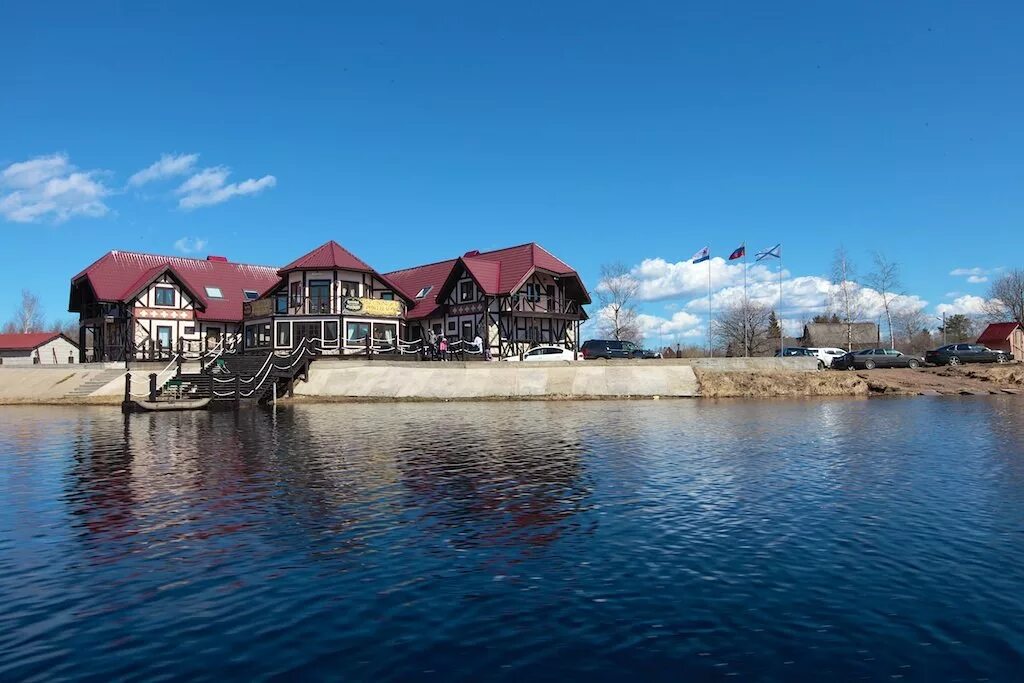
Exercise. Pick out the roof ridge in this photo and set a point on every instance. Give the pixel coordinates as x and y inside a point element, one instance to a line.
<point>425,265</point>
<point>180,258</point>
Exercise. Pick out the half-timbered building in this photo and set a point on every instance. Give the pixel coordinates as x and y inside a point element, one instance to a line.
<point>330,296</point>
<point>135,306</point>
<point>514,298</point>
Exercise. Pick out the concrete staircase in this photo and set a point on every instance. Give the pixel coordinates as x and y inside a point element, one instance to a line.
<point>95,382</point>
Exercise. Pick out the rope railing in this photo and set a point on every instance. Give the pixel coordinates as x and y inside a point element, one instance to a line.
<point>172,367</point>
<point>301,350</point>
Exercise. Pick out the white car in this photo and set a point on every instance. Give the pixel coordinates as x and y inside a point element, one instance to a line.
<point>827,354</point>
<point>544,353</point>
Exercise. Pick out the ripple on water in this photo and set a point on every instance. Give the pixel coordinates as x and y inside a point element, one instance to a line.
<point>784,540</point>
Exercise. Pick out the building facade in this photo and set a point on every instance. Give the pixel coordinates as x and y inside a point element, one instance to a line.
<point>37,348</point>
<point>135,306</point>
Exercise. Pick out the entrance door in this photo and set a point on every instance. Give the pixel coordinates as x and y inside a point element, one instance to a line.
<point>212,337</point>
<point>163,340</point>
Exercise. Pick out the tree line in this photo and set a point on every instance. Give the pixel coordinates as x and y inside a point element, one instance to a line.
<point>752,327</point>
<point>30,316</point>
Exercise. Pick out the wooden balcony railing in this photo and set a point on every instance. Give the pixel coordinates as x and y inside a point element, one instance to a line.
<point>539,304</point>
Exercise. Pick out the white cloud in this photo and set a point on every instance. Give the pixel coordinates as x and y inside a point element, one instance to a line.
<point>975,275</point>
<point>167,166</point>
<point>976,279</point>
<point>968,304</point>
<point>208,187</point>
<point>50,187</point>
<point>660,279</point>
<point>190,245</point>
<point>681,324</point>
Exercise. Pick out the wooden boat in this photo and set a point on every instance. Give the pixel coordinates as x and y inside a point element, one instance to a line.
<point>182,404</point>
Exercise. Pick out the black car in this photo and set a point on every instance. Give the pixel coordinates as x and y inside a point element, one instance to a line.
<point>869,359</point>
<point>610,348</point>
<point>794,351</point>
<point>956,354</point>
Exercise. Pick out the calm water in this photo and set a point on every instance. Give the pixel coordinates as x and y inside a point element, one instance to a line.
<point>829,540</point>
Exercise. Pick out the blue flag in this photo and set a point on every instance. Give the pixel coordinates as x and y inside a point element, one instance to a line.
<point>775,251</point>
<point>702,255</point>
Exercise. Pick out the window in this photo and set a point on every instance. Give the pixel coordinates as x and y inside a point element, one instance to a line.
<point>251,294</point>
<point>164,296</point>
<point>250,336</point>
<point>330,333</point>
<point>284,334</point>
<point>437,329</point>
<point>451,326</point>
<point>263,335</point>
<point>532,292</point>
<point>214,292</point>
<point>295,294</point>
<point>356,333</point>
<point>387,296</point>
<point>467,331</point>
<point>349,288</point>
<point>320,296</point>
<point>190,329</point>
<point>466,291</point>
<point>163,337</point>
<point>281,303</point>
<point>384,333</point>
<point>423,292</point>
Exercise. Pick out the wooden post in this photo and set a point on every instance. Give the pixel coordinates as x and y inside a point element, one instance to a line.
<point>152,386</point>
<point>291,387</point>
<point>238,390</point>
<point>305,372</point>
<point>181,354</point>
<point>126,405</point>
<point>369,354</point>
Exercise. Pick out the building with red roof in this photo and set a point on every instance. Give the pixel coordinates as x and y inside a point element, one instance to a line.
<point>140,306</point>
<point>37,348</point>
<point>1004,337</point>
<point>145,306</point>
<point>514,298</point>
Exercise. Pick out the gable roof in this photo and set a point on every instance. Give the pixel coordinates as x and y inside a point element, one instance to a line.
<point>498,272</point>
<point>328,256</point>
<point>29,341</point>
<point>412,280</point>
<point>118,276</point>
<point>997,332</point>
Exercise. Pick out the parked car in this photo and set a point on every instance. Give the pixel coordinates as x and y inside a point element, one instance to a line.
<point>544,353</point>
<point>609,348</point>
<point>828,354</point>
<point>869,359</point>
<point>956,354</point>
<point>794,351</point>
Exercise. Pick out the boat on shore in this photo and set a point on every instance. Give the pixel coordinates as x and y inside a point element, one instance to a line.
<point>184,404</point>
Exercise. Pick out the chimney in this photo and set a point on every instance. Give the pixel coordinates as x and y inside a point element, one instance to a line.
<point>222,259</point>
<point>475,252</point>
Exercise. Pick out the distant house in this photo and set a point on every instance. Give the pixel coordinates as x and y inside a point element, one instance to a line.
<point>1005,337</point>
<point>37,348</point>
<point>837,335</point>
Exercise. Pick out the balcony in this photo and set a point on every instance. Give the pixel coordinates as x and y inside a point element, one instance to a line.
<point>539,304</point>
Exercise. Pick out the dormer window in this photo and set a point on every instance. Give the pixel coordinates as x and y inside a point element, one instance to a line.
<point>423,292</point>
<point>251,294</point>
<point>214,292</point>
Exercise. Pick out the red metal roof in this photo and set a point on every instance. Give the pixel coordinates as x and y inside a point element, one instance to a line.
<point>26,342</point>
<point>997,332</point>
<point>498,272</point>
<point>118,275</point>
<point>327,256</point>
<point>412,280</point>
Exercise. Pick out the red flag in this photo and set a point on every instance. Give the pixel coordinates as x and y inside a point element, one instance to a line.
<point>740,252</point>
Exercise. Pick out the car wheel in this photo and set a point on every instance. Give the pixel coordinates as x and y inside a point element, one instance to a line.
<point>869,365</point>
<point>953,360</point>
<point>821,366</point>
<point>1002,359</point>
<point>913,365</point>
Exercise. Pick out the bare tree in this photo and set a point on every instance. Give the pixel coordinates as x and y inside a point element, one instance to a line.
<point>846,293</point>
<point>742,327</point>
<point>616,294</point>
<point>885,279</point>
<point>908,324</point>
<point>29,315</point>
<point>1006,297</point>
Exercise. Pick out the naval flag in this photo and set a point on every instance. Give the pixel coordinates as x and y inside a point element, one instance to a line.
<point>775,251</point>
<point>702,255</point>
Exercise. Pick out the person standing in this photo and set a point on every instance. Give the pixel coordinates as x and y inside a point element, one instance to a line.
<point>442,347</point>
<point>431,345</point>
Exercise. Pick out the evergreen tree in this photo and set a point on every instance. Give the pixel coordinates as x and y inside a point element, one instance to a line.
<point>773,326</point>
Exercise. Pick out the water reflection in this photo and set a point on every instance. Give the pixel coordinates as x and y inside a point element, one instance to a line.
<point>778,540</point>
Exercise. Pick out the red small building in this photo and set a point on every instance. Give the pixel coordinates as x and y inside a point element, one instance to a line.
<point>1004,337</point>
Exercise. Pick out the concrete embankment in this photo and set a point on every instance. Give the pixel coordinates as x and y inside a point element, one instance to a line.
<point>387,380</point>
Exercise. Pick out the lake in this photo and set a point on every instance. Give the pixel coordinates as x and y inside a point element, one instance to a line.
<point>666,540</point>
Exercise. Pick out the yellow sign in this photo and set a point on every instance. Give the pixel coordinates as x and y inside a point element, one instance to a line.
<point>374,308</point>
<point>258,309</point>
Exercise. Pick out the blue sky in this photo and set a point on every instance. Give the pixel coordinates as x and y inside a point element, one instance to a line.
<point>412,132</point>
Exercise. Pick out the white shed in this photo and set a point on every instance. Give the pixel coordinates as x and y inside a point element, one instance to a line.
<point>37,348</point>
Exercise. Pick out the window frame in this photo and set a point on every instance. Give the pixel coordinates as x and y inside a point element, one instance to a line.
<point>466,291</point>
<point>286,338</point>
<point>424,291</point>
<point>254,294</point>
<point>158,290</point>
<point>210,289</point>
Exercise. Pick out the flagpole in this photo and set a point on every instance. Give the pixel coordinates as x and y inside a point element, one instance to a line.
<point>711,350</point>
<point>746,314</point>
<point>782,334</point>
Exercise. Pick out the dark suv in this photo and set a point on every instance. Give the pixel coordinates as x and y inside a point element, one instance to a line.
<point>609,348</point>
